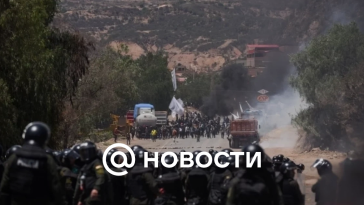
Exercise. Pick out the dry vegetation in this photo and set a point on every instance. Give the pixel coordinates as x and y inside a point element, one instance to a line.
<point>205,31</point>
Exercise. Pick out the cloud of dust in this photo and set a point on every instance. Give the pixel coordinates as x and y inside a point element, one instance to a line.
<point>276,129</point>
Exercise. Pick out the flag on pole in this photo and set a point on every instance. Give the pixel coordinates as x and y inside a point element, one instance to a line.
<point>176,107</point>
<point>174,81</point>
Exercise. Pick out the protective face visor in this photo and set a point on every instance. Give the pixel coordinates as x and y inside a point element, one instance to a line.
<point>70,156</point>
<point>316,164</point>
<point>87,154</point>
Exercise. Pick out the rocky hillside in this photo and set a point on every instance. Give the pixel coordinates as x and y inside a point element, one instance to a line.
<point>205,33</point>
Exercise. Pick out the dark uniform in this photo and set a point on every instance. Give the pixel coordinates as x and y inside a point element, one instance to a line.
<point>197,184</point>
<point>141,184</point>
<point>291,192</point>
<point>170,185</point>
<point>325,188</point>
<point>30,176</point>
<point>68,182</point>
<point>116,187</point>
<point>351,185</point>
<point>90,188</point>
<point>220,177</point>
<point>254,185</point>
<point>69,173</point>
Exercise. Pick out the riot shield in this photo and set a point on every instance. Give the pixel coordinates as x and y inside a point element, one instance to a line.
<point>300,178</point>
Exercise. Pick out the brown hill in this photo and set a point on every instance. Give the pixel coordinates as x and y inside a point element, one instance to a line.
<point>207,34</point>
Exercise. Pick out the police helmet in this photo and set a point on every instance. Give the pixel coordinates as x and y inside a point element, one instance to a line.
<point>278,159</point>
<point>286,159</point>
<point>202,158</point>
<point>76,148</point>
<point>100,153</point>
<point>222,160</point>
<point>211,151</point>
<point>227,150</point>
<point>49,150</point>
<point>280,156</point>
<point>323,166</point>
<point>69,157</point>
<point>135,147</point>
<point>108,158</point>
<point>288,166</point>
<point>196,152</point>
<point>37,132</point>
<point>58,155</point>
<point>88,151</point>
<point>53,154</point>
<point>11,150</point>
<point>139,153</point>
<point>253,149</point>
<point>168,160</point>
<point>301,167</point>
<point>231,160</point>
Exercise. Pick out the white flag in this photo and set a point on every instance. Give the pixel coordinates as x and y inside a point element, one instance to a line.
<point>176,107</point>
<point>174,81</point>
<point>181,102</point>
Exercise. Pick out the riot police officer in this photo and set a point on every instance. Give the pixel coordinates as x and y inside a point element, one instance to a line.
<point>277,162</point>
<point>243,188</point>
<point>291,192</point>
<point>197,183</point>
<point>184,171</point>
<point>326,186</point>
<point>117,183</point>
<point>69,172</point>
<point>10,151</point>
<point>351,184</point>
<point>79,163</point>
<point>90,188</point>
<point>220,177</point>
<point>141,185</point>
<point>170,185</point>
<point>30,175</point>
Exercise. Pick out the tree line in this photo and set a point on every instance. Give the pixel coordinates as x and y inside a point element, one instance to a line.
<point>330,79</point>
<point>57,77</point>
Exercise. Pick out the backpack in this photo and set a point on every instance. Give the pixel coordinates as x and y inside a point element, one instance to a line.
<point>252,190</point>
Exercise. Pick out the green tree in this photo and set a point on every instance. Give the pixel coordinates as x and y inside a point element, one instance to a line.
<point>330,78</point>
<point>155,81</point>
<point>108,88</point>
<point>40,67</point>
<point>195,88</point>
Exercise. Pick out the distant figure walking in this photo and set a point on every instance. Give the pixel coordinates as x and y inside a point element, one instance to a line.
<point>174,134</point>
<point>116,132</point>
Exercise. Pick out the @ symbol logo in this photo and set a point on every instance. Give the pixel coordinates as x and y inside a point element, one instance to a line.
<point>122,154</point>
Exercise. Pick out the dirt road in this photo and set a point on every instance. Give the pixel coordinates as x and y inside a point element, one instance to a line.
<point>278,141</point>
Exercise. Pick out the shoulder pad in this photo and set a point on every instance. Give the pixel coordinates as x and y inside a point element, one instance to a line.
<point>99,169</point>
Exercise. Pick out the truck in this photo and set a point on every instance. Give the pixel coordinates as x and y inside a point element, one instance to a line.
<point>243,132</point>
<point>144,115</point>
